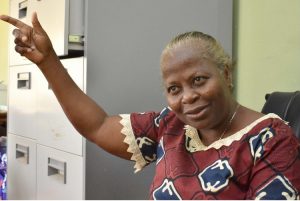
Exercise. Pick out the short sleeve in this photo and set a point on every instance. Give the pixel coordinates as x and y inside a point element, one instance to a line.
<point>142,132</point>
<point>276,163</point>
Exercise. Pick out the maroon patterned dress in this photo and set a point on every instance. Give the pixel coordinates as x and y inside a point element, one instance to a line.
<point>261,161</point>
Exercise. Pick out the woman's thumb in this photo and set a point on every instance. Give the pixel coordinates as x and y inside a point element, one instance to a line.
<point>36,24</point>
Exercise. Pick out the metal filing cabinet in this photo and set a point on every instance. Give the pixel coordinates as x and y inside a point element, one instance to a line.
<point>43,146</point>
<point>37,122</point>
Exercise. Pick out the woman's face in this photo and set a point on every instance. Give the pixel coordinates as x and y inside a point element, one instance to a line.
<point>196,89</point>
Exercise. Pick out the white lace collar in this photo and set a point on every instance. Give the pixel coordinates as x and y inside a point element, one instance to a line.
<point>195,143</point>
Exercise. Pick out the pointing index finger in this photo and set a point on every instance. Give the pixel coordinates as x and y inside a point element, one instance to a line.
<point>17,23</point>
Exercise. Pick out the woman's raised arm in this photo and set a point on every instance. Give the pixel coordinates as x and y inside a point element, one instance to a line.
<point>87,117</point>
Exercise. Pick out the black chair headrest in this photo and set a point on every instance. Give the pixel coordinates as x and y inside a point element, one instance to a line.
<point>287,106</point>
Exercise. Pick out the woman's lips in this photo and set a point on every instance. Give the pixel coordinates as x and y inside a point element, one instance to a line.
<point>197,112</point>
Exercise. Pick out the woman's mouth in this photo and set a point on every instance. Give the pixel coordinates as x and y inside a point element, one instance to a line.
<point>196,112</point>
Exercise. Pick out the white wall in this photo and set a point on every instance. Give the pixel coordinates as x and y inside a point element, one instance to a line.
<point>3,53</point>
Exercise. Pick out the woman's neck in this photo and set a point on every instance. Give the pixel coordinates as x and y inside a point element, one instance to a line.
<point>221,130</point>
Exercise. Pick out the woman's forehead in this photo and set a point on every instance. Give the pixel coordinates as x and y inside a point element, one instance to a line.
<point>185,49</point>
<point>189,66</point>
<point>184,53</point>
<point>189,43</point>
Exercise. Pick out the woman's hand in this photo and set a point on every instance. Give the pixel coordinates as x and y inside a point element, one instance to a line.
<point>31,42</point>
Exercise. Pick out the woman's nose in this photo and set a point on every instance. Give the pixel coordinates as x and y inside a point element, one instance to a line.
<point>189,96</point>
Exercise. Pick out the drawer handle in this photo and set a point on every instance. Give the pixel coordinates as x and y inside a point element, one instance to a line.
<point>56,167</point>
<point>24,80</point>
<point>23,9</point>
<point>22,152</point>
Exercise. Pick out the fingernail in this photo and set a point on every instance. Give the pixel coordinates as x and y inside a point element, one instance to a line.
<point>24,38</point>
<point>15,33</point>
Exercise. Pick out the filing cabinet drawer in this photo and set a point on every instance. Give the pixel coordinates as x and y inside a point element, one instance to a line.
<point>22,100</point>
<point>17,10</point>
<point>57,30</point>
<point>54,128</point>
<point>21,178</point>
<point>59,174</point>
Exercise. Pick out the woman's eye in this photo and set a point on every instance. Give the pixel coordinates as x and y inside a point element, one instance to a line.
<point>199,79</point>
<point>172,89</point>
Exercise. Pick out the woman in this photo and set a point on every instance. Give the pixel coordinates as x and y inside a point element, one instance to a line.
<point>205,144</point>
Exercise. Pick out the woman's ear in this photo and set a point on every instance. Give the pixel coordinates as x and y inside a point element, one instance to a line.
<point>228,76</point>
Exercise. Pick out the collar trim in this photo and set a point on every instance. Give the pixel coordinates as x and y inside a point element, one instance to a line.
<point>194,143</point>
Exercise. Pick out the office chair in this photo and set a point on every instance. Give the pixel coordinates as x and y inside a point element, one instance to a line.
<point>287,106</point>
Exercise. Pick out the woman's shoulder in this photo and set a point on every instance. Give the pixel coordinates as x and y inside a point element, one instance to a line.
<point>252,120</point>
<point>271,126</point>
<point>263,121</point>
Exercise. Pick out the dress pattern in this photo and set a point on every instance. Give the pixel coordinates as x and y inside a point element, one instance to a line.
<point>261,161</point>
